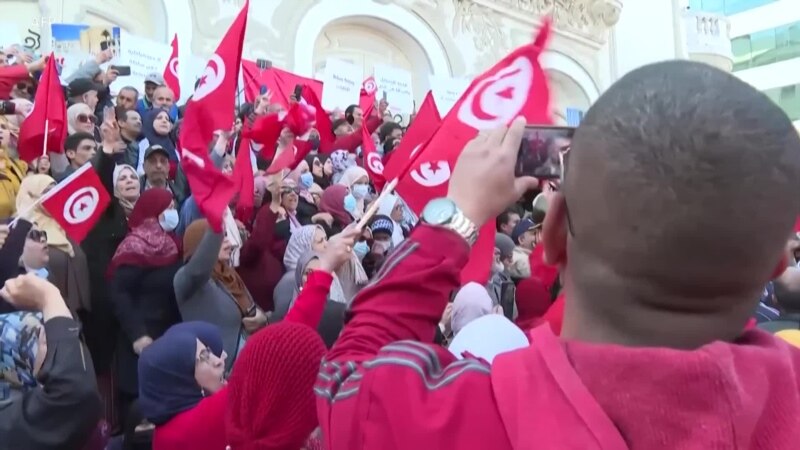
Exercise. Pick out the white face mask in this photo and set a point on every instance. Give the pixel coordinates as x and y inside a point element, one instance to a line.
<point>498,267</point>
<point>169,221</point>
<point>360,191</point>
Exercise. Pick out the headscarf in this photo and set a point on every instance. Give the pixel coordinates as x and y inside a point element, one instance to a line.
<point>30,190</point>
<point>222,273</point>
<point>340,159</point>
<point>189,213</point>
<point>336,293</point>
<point>167,386</point>
<point>299,244</point>
<point>349,178</point>
<point>472,301</point>
<point>325,180</point>
<point>153,138</point>
<point>271,403</point>
<point>72,115</point>
<point>127,205</point>
<point>19,344</point>
<point>234,235</point>
<point>385,208</point>
<point>291,216</point>
<point>332,202</point>
<point>147,244</point>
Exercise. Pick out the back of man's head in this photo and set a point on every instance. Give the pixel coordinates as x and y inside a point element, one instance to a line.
<point>681,186</point>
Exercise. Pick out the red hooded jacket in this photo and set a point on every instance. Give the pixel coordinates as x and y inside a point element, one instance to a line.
<point>385,386</point>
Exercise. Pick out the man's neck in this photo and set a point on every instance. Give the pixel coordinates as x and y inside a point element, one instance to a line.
<point>126,137</point>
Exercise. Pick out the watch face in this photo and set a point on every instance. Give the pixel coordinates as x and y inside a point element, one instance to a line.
<point>439,211</point>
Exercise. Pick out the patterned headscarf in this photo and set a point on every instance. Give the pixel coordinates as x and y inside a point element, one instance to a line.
<point>299,244</point>
<point>341,161</point>
<point>19,344</point>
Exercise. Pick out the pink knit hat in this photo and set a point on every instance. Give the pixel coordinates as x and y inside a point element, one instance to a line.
<point>271,402</point>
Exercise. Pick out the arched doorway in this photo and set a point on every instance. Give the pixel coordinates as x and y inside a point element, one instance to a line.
<point>366,41</point>
<point>565,93</point>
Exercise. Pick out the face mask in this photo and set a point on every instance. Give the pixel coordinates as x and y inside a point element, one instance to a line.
<point>314,142</point>
<point>170,220</point>
<point>306,179</point>
<point>361,248</point>
<point>350,204</point>
<point>41,273</point>
<point>498,267</point>
<point>360,191</point>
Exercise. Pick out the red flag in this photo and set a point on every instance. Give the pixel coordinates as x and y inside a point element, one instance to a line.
<point>324,125</point>
<point>77,202</point>
<point>373,162</point>
<point>209,110</point>
<point>367,97</point>
<point>280,82</point>
<point>171,70</point>
<point>422,128</point>
<point>289,157</point>
<point>265,131</point>
<point>516,86</point>
<point>48,116</point>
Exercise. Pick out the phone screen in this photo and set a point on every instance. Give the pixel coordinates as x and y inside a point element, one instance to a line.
<point>103,45</point>
<point>298,92</point>
<point>262,90</point>
<point>541,151</point>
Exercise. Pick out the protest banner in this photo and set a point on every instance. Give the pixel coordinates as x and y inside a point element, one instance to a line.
<point>144,56</point>
<point>447,91</point>
<point>341,85</point>
<point>73,44</point>
<point>396,83</point>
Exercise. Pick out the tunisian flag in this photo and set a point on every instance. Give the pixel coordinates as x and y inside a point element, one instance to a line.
<point>373,162</point>
<point>421,129</point>
<point>171,70</point>
<point>48,117</point>
<point>77,202</point>
<point>209,110</point>
<point>280,82</point>
<point>516,86</point>
<point>367,95</point>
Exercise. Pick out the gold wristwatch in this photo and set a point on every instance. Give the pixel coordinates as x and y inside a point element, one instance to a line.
<point>443,212</point>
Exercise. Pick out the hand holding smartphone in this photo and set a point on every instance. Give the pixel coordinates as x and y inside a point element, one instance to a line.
<point>541,152</point>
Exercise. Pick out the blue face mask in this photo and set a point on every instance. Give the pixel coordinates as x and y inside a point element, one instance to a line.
<point>360,190</point>
<point>306,179</point>
<point>169,221</point>
<point>41,273</point>
<point>350,204</point>
<point>361,249</point>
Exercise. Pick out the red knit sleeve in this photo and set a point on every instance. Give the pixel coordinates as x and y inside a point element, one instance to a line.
<point>310,304</point>
<point>261,239</point>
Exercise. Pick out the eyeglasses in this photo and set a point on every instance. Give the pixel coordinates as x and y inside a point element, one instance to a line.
<point>289,190</point>
<point>22,86</point>
<point>39,236</point>
<point>84,118</point>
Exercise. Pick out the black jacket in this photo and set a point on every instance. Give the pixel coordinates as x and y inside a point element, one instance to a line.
<point>144,303</point>
<point>99,325</point>
<point>64,411</point>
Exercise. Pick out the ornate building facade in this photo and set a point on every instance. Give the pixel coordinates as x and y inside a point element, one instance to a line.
<point>452,38</point>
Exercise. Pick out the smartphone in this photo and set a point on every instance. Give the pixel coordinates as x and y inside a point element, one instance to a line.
<point>263,64</point>
<point>541,152</point>
<point>123,71</point>
<point>384,96</point>
<point>262,90</point>
<point>298,92</point>
<point>103,45</point>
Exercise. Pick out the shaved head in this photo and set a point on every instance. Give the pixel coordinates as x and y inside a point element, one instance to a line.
<point>681,186</point>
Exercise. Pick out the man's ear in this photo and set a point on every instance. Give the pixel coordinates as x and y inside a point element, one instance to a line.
<point>554,231</point>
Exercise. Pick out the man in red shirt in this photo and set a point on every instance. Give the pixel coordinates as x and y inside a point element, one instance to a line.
<point>679,192</point>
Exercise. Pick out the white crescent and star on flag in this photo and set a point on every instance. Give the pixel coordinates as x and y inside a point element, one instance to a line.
<point>81,205</point>
<point>212,78</point>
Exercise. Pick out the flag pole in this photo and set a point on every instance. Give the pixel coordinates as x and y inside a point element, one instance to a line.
<point>388,189</point>
<point>24,213</point>
<point>46,129</point>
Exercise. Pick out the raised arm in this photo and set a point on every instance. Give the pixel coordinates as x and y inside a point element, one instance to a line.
<point>197,271</point>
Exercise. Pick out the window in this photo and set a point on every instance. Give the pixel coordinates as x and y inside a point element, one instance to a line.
<point>766,47</point>
<point>727,7</point>
<point>788,98</point>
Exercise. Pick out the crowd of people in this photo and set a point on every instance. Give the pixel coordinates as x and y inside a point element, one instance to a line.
<point>650,298</point>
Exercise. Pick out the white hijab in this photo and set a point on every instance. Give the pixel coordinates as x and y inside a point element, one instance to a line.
<point>232,231</point>
<point>385,208</point>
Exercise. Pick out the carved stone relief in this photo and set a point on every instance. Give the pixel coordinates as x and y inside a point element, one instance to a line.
<point>484,24</point>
